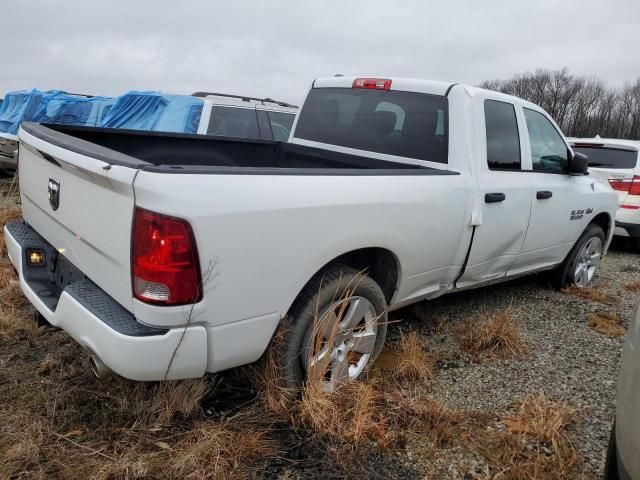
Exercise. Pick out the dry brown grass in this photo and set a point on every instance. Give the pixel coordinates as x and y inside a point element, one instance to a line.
<point>146,431</point>
<point>535,444</point>
<point>495,333</point>
<point>633,287</point>
<point>607,324</point>
<point>353,413</point>
<point>269,380</point>
<point>15,310</point>
<point>7,214</point>
<point>220,451</point>
<point>171,399</point>
<point>594,294</point>
<point>414,412</point>
<point>414,362</point>
<point>541,419</point>
<point>10,188</point>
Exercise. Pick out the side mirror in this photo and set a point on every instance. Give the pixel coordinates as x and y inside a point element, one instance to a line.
<point>579,164</point>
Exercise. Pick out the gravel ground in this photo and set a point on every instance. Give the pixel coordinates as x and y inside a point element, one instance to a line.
<point>567,360</point>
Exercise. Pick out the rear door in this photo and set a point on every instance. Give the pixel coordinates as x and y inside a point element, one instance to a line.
<point>90,223</point>
<point>504,193</point>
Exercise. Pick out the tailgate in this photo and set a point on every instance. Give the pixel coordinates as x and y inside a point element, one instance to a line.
<point>90,223</point>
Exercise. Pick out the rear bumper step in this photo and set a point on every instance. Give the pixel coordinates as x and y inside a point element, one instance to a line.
<point>69,300</point>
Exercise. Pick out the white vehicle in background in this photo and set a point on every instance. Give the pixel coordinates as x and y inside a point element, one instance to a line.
<point>617,162</point>
<point>390,191</point>
<point>623,456</point>
<point>245,117</point>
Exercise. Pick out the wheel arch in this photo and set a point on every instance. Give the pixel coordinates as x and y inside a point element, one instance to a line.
<point>604,221</point>
<point>381,264</point>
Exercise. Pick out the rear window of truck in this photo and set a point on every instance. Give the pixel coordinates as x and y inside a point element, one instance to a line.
<point>406,124</point>
<point>609,157</point>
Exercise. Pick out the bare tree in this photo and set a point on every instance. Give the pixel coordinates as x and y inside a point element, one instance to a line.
<point>582,106</point>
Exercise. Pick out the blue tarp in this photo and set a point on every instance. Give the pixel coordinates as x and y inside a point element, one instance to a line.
<point>68,109</point>
<point>156,112</point>
<point>23,106</point>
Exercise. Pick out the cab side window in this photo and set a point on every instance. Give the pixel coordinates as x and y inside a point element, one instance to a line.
<point>549,153</point>
<point>233,122</point>
<point>503,139</point>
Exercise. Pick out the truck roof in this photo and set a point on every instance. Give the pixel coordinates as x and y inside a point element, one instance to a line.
<point>607,142</point>
<point>433,87</point>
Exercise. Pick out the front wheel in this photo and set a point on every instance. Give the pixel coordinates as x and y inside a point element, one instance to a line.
<point>334,331</point>
<point>580,266</point>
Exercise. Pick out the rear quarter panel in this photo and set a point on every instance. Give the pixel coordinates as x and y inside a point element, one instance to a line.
<point>267,235</point>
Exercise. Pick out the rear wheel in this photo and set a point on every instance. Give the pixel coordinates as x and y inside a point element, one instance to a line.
<point>334,331</point>
<point>580,266</point>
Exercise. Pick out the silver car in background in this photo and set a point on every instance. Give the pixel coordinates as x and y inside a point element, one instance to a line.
<point>623,457</point>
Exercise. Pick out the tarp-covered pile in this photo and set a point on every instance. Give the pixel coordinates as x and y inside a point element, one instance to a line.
<point>68,109</point>
<point>23,106</point>
<point>156,112</point>
<point>134,110</point>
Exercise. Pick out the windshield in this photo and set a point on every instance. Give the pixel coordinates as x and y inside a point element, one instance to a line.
<point>405,124</point>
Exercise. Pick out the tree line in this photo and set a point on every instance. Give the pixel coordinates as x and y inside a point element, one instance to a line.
<point>582,106</point>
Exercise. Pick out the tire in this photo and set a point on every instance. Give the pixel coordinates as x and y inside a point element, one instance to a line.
<point>565,274</point>
<point>6,173</point>
<point>326,293</point>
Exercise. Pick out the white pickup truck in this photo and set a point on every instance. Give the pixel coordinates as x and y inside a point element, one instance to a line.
<point>171,255</point>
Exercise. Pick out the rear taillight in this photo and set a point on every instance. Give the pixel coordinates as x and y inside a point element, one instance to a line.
<point>375,83</point>
<point>164,260</point>
<point>635,186</point>
<point>629,185</point>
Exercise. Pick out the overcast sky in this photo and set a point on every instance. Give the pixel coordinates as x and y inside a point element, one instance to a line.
<point>276,48</point>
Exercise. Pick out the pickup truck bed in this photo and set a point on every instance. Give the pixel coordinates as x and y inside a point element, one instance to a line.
<point>185,153</point>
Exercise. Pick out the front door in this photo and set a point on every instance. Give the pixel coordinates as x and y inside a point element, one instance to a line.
<point>557,198</point>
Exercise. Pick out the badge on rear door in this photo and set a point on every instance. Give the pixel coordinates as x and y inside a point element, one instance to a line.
<point>54,193</point>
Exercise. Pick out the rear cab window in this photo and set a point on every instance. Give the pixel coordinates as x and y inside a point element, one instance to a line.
<point>607,157</point>
<point>391,122</point>
<point>233,122</point>
<point>503,138</point>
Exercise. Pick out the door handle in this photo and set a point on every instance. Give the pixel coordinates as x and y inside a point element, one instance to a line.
<point>494,197</point>
<point>544,194</point>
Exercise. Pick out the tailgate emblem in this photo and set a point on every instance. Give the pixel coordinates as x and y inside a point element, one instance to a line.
<point>54,193</point>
